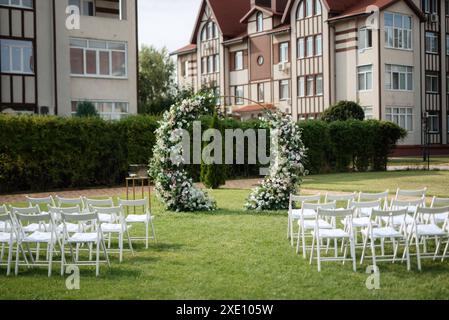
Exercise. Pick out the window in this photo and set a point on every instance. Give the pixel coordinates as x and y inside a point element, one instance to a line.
<point>284,90</point>
<point>283,52</point>
<point>369,113</point>
<point>431,42</point>
<point>107,110</point>
<point>301,48</point>
<point>430,6</point>
<point>259,22</point>
<point>260,92</point>
<point>87,7</point>
<point>398,78</point>
<point>300,12</point>
<point>309,8</point>
<point>319,85</point>
<point>238,61</point>
<point>209,32</point>
<point>365,38</point>
<point>365,78</point>
<point>309,86</point>
<point>402,116</point>
<point>27,4</point>
<point>217,63</point>
<point>210,64</point>
<point>318,7</point>
<point>239,95</point>
<point>98,58</point>
<point>301,87</point>
<point>432,83</point>
<point>433,122</point>
<point>318,45</point>
<point>204,65</point>
<point>185,69</point>
<point>398,31</point>
<point>309,46</point>
<point>16,56</point>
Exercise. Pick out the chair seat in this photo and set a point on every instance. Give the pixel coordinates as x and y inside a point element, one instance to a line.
<point>113,228</point>
<point>39,237</point>
<point>6,237</point>
<point>363,222</point>
<point>83,238</point>
<point>307,214</point>
<point>106,218</point>
<point>132,218</point>
<point>428,230</point>
<point>310,224</point>
<point>35,227</point>
<point>398,220</point>
<point>71,228</point>
<point>332,233</point>
<point>439,218</point>
<point>387,232</point>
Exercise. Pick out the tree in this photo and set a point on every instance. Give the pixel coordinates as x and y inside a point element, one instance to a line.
<point>213,175</point>
<point>156,80</point>
<point>86,109</point>
<point>344,110</point>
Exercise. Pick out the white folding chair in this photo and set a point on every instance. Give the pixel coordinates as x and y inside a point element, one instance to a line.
<point>70,202</point>
<point>361,219</point>
<point>144,217</point>
<point>47,202</point>
<point>346,236</point>
<point>47,235</point>
<point>295,214</point>
<point>7,239</point>
<point>410,205</point>
<point>408,194</point>
<point>347,199</point>
<point>382,196</point>
<point>422,232</point>
<point>120,228</point>
<point>373,232</point>
<point>439,219</point>
<point>306,222</point>
<point>103,203</point>
<point>91,238</point>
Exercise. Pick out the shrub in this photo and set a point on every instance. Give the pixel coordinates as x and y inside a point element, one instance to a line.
<point>86,109</point>
<point>213,175</point>
<point>344,110</point>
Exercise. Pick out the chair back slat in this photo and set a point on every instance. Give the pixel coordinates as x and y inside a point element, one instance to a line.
<point>411,193</point>
<point>440,202</point>
<point>407,203</point>
<point>106,210</point>
<point>312,198</point>
<point>134,203</point>
<point>334,213</point>
<point>388,213</point>
<point>98,202</point>
<point>373,196</point>
<point>341,197</point>
<point>33,218</point>
<point>49,201</point>
<point>367,204</point>
<point>433,211</point>
<point>316,206</point>
<point>26,211</point>
<point>79,217</point>
<point>70,210</point>
<point>69,202</point>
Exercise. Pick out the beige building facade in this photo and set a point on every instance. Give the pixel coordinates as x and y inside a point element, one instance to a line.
<point>55,54</point>
<point>302,56</point>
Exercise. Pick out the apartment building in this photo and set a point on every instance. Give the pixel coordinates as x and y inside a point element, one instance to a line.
<point>56,53</point>
<point>301,56</point>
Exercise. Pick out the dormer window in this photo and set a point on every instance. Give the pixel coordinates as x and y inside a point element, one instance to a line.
<point>259,19</point>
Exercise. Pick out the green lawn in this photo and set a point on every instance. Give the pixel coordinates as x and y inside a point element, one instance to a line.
<point>418,161</point>
<point>232,254</point>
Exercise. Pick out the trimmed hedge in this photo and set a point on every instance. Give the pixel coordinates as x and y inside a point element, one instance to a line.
<point>44,153</point>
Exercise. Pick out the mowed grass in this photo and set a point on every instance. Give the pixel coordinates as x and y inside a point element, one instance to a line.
<point>418,161</point>
<point>437,182</point>
<point>233,254</point>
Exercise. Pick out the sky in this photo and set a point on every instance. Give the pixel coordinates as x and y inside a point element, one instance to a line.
<point>167,23</point>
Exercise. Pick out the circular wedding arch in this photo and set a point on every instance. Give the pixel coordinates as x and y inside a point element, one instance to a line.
<point>176,189</point>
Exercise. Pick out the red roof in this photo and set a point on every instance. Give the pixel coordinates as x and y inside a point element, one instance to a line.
<point>255,108</point>
<point>187,49</point>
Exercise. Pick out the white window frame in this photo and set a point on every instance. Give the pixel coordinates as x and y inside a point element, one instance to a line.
<point>317,77</point>
<point>310,43</point>
<point>113,115</point>
<point>97,53</point>
<point>367,72</point>
<point>283,52</point>
<point>284,94</point>
<point>217,63</point>
<point>434,122</point>
<point>20,45</point>
<point>403,31</point>
<point>389,72</point>
<point>430,7</point>
<point>301,86</point>
<point>238,63</point>
<point>260,92</point>
<point>434,80</point>
<point>301,48</point>
<point>259,22</point>
<point>393,114</point>
<point>369,112</point>
<point>431,42</point>
<point>318,45</point>
<point>21,5</point>
<point>310,80</point>
<point>239,94</point>
<point>365,34</point>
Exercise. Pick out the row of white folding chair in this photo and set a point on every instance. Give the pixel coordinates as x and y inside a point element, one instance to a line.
<point>85,204</point>
<point>51,237</point>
